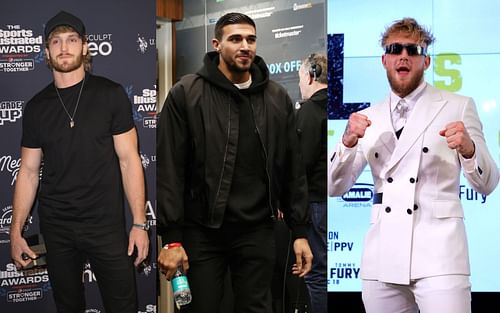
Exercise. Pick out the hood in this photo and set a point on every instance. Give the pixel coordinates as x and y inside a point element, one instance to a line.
<point>211,72</point>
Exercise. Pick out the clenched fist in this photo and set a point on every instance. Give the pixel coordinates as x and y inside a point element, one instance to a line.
<point>458,138</point>
<point>355,129</point>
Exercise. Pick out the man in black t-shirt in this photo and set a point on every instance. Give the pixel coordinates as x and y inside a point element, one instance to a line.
<point>81,127</point>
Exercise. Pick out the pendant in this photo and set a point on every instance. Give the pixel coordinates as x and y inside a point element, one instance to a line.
<point>71,124</point>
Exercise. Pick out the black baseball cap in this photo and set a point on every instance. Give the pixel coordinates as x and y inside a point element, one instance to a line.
<point>64,18</point>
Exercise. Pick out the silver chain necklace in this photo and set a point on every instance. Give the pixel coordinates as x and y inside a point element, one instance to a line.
<point>71,121</point>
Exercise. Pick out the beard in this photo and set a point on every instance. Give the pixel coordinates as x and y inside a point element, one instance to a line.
<point>66,65</point>
<point>236,67</point>
<point>404,88</point>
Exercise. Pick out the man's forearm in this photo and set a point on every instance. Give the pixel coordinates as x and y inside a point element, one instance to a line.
<point>24,197</point>
<point>133,184</point>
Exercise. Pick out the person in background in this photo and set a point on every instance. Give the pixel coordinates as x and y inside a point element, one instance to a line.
<point>417,142</point>
<point>228,159</point>
<point>80,126</point>
<point>312,130</point>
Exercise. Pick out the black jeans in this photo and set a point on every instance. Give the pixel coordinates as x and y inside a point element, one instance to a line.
<point>69,246</point>
<point>248,252</point>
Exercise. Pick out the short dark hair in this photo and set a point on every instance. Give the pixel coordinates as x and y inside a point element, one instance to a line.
<point>231,18</point>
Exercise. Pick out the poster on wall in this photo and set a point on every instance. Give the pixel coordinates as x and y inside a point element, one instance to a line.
<point>465,61</point>
<point>287,33</point>
<point>121,39</point>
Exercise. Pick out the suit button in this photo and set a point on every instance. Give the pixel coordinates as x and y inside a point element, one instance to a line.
<point>390,179</point>
<point>409,211</point>
<point>388,209</point>
<point>415,207</point>
<point>376,154</point>
<point>412,180</point>
<point>425,149</point>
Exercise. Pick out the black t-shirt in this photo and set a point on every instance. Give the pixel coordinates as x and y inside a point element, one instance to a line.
<point>81,179</point>
<point>248,201</point>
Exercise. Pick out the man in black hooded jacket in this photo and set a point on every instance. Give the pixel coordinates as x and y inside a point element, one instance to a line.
<point>228,159</point>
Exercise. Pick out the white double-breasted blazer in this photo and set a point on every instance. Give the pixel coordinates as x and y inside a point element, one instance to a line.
<point>418,230</point>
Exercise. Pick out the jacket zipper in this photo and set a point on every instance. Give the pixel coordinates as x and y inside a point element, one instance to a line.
<point>223,162</point>
<point>273,216</point>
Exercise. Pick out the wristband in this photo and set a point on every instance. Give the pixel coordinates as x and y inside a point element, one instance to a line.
<point>144,226</point>
<point>172,245</point>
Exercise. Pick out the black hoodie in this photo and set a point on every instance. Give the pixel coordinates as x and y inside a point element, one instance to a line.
<point>202,170</point>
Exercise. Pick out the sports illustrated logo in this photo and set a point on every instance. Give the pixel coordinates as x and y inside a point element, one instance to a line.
<point>100,44</point>
<point>28,285</point>
<point>150,308</point>
<point>10,111</point>
<point>146,108</point>
<point>144,44</point>
<point>10,165</point>
<point>20,49</point>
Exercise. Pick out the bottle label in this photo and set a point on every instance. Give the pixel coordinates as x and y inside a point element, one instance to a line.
<point>180,283</point>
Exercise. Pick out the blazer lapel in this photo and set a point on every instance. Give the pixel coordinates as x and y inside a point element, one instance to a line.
<point>424,112</point>
<point>383,113</point>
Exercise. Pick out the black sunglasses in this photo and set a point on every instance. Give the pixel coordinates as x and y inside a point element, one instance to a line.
<point>411,49</point>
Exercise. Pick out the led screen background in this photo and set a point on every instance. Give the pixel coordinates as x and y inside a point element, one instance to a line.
<point>465,60</point>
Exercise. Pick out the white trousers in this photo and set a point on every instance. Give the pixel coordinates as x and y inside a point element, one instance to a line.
<point>439,294</point>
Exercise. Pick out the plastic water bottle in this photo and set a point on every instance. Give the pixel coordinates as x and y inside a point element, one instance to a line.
<point>180,287</point>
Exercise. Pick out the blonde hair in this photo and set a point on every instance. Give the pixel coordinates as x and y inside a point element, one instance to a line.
<point>411,28</point>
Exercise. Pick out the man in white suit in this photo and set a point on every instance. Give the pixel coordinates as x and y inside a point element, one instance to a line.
<point>415,254</point>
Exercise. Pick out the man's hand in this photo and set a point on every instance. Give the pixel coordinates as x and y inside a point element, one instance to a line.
<point>138,238</point>
<point>303,257</point>
<point>355,129</point>
<point>458,138</point>
<point>18,247</point>
<point>169,260</point>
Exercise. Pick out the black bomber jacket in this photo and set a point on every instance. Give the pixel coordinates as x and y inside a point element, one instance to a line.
<point>197,144</point>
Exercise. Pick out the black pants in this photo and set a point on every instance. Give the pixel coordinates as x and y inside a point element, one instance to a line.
<point>69,246</point>
<point>247,252</point>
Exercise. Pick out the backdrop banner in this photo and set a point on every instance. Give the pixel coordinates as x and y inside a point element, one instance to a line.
<point>121,35</point>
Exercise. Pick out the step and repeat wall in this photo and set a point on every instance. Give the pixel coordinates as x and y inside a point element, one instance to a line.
<point>121,36</point>
<point>465,60</point>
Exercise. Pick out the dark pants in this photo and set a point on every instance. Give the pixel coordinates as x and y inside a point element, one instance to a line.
<point>316,279</point>
<point>69,246</point>
<point>248,252</point>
